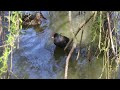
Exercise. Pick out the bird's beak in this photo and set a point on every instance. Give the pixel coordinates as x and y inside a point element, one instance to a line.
<point>52,35</point>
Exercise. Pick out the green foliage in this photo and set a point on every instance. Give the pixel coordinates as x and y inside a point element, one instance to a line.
<point>15,24</point>
<point>95,29</point>
<point>100,38</point>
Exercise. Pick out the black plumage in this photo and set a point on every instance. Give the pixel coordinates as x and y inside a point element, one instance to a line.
<point>60,41</point>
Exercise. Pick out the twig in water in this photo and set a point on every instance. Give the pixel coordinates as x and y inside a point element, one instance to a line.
<point>67,61</point>
<point>18,23</point>
<point>110,33</point>
<point>89,54</point>
<point>70,21</point>
<point>100,30</point>
<point>80,45</point>
<point>82,25</point>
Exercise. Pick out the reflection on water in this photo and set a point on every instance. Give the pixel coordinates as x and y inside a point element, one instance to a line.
<point>38,57</point>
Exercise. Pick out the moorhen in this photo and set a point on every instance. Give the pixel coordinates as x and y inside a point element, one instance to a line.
<point>59,40</point>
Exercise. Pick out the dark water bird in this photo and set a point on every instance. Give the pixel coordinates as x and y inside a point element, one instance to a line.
<point>59,40</point>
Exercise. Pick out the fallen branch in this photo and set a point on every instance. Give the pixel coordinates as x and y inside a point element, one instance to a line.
<point>67,61</point>
<point>79,30</point>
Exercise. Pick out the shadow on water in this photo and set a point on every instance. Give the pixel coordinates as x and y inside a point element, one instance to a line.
<point>58,52</point>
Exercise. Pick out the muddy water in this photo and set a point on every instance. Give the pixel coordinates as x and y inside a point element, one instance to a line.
<point>38,58</point>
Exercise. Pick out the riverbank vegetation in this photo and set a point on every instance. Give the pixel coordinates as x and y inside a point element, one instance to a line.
<point>9,34</point>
